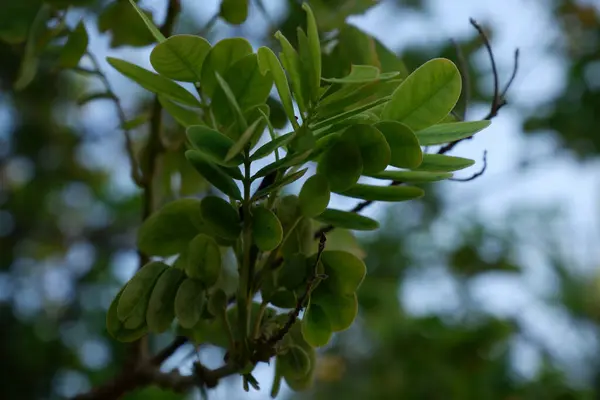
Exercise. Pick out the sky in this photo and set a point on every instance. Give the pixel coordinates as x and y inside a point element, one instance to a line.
<point>554,180</point>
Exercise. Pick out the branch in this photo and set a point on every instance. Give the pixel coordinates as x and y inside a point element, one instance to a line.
<point>476,174</point>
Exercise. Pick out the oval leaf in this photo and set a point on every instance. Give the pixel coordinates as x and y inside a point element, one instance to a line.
<point>340,309</point>
<point>314,195</point>
<point>180,57</point>
<point>266,229</point>
<point>347,220</point>
<point>214,174</point>
<point>445,133</point>
<point>341,164</point>
<point>412,176</point>
<point>221,217</point>
<point>135,297</point>
<point>213,144</point>
<point>204,260</point>
<point>223,54</point>
<point>189,302</point>
<point>374,149</point>
<point>234,11</point>
<point>291,62</point>
<point>117,329</point>
<point>269,62</point>
<point>443,163</point>
<point>295,363</point>
<point>169,230</point>
<point>182,115</point>
<point>151,27</point>
<point>161,307</point>
<point>345,272</point>
<point>316,328</point>
<point>383,193</point>
<point>153,82</point>
<point>286,180</point>
<point>426,96</point>
<point>314,51</point>
<point>405,149</point>
<point>75,47</point>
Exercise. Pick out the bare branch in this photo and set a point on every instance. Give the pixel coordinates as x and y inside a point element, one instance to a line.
<point>475,175</point>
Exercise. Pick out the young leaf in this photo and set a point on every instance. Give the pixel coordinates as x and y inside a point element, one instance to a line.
<point>341,164</point>
<point>180,57</point>
<point>161,307</point>
<point>169,229</point>
<point>340,309</point>
<point>232,103</point>
<point>383,193</point>
<point>234,11</point>
<point>316,327</point>
<point>314,50</point>
<point>214,174</point>
<point>75,47</point>
<point>153,82</point>
<point>221,217</point>
<point>426,96</point>
<point>347,220</point>
<point>314,196</point>
<point>269,62</point>
<point>151,27</point>
<point>291,62</point>
<point>271,146</point>
<point>412,176</point>
<point>182,115</point>
<point>345,272</point>
<point>405,149</point>
<point>248,86</point>
<point>375,151</point>
<point>443,163</point>
<point>238,146</point>
<point>445,133</point>
<point>213,144</point>
<point>189,302</point>
<point>266,229</point>
<point>204,260</point>
<point>286,180</point>
<point>223,54</point>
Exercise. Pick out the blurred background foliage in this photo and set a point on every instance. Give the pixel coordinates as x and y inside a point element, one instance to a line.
<point>68,217</point>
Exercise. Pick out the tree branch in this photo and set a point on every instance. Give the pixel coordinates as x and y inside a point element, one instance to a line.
<point>476,174</point>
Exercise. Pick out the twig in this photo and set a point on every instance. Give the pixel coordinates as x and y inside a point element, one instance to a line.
<point>513,75</point>
<point>475,175</point>
<point>136,174</point>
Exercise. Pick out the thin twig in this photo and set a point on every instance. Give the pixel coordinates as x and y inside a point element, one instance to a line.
<point>136,174</point>
<point>513,75</point>
<point>475,175</point>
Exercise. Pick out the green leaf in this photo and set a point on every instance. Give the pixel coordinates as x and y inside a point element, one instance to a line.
<point>213,174</point>
<point>180,57</point>
<point>161,307</point>
<point>151,27</point>
<point>283,298</point>
<point>153,82</point>
<point>30,60</point>
<point>347,220</point>
<point>363,74</point>
<point>341,164</point>
<point>426,96</point>
<point>238,146</point>
<point>450,132</point>
<point>189,302</point>
<point>316,327</point>
<point>75,47</point>
<point>288,160</point>
<point>300,238</point>
<point>443,163</point>
<point>345,272</point>
<point>266,229</point>
<point>341,310</point>
<point>269,62</point>
<point>271,146</point>
<point>295,362</point>
<point>278,184</point>
<point>375,152</point>
<point>291,62</point>
<point>405,149</point>
<point>223,54</point>
<point>213,144</point>
<point>234,11</point>
<point>204,260</point>
<point>314,195</point>
<point>231,103</point>
<point>248,86</point>
<point>217,303</point>
<point>314,50</point>
<point>182,115</point>
<point>117,329</point>
<point>347,114</point>
<point>383,193</point>
<point>221,217</point>
<point>293,272</point>
<point>135,122</point>
<point>135,297</point>
<point>125,26</point>
<point>168,230</point>
<point>412,176</point>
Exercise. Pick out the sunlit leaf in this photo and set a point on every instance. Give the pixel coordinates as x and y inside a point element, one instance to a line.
<point>313,62</point>
<point>223,54</point>
<point>444,163</point>
<point>269,62</point>
<point>405,149</point>
<point>445,133</point>
<point>180,57</point>
<point>213,144</point>
<point>374,149</point>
